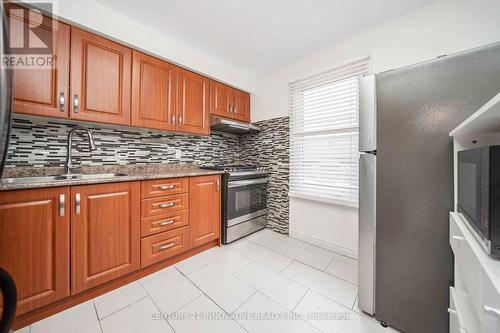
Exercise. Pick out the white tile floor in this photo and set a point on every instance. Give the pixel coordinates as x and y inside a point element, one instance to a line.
<point>266,282</point>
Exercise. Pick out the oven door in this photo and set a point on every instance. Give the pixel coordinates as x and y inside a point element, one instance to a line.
<point>246,199</point>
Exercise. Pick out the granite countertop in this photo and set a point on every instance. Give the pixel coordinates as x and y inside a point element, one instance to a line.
<point>132,172</point>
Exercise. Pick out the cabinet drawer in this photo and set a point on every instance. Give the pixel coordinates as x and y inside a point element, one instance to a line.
<point>467,264</point>
<point>490,304</point>
<point>164,222</point>
<point>159,187</point>
<point>163,205</point>
<point>164,245</point>
<point>455,320</point>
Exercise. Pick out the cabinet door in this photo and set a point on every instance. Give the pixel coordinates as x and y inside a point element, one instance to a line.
<point>241,105</point>
<point>220,95</point>
<point>193,115</point>
<point>105,233</point>
<point>153,92</point>
<point>100,79</point>
<point>42,92</point>
<point>34,244</point>
<point>204,209</point>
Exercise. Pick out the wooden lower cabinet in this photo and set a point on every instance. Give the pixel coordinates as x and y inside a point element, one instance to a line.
<point>105,233</point>
<point>164,245</point>
<point>62,243</point>
<point>204,209</point>
<point>34,244</point>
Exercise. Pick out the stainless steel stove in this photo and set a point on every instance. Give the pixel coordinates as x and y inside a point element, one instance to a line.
<point>244,200</point>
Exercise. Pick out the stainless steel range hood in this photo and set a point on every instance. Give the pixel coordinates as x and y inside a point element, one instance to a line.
<point>231,126</point>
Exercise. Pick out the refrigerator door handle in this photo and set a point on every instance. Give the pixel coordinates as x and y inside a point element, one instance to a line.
<point>367,113</point>
<point>367,232</point>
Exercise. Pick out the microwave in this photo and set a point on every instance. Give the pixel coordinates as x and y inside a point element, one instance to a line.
<point>479,194</point>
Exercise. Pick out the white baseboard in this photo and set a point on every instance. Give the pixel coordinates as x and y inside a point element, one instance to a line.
<point>349,252</point>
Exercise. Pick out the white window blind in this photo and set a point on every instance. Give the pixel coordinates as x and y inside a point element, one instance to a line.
<point>324,134</point>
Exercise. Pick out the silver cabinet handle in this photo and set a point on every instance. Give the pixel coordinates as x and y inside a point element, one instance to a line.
<point>180,120</point>
<point>452,311</point>
<point>76,103</point>
<point>62,100</point>
<point>167,222</point>
<point>166,187</point>
<point>168,204</point>
<point>458,238</point>
<point>173,120</point>
<point>166,246</point>
<point>492,311</point>
<point>62,204</point>
<point>77,203</point>
<point>217,181</point>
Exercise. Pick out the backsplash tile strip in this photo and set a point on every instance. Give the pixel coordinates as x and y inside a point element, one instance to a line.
<point>270,149</point>
<point>41,142</point>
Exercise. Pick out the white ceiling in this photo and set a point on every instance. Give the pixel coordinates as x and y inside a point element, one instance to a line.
<point>260,35</point>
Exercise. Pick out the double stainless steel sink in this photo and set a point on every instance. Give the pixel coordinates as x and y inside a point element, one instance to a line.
<point>72,176</point>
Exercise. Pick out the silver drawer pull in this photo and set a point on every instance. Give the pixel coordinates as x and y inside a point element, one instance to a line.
<point>62,204</point>
<point>167,222</point>
<point>452,311</point>
<point>458,238</point>
<point>168,204</point>
<point>491,311</point>
<point>166,246</point>
<point>167,187</point>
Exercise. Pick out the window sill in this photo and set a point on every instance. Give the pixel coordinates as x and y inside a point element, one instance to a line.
<point>323,199</point>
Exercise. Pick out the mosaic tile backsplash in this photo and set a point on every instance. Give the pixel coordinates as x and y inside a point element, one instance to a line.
<point>41,142</point>
<point>270,149</point>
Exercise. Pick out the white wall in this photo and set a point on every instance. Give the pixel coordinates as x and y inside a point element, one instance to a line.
<point>443,27</point>
<point>103,20</point>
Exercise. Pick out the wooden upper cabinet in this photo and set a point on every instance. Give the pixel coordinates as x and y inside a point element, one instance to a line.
<point>204,209</point>
<point>193,114</point>
<point>220,96</point>
<point>105,233</point>
<point>153,92</point>
<point>241,105</point>
<point>42,92</point>
<point>229,102</point>
<point>100,79</point>
<point>34,244</point>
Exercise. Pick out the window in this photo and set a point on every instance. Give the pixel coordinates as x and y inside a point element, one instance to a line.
<point>324,135</point>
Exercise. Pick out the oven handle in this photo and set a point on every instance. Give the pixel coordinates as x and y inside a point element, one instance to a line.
<point>240,183</point>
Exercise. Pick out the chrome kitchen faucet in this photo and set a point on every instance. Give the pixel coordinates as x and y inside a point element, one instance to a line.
<point>92,145</point>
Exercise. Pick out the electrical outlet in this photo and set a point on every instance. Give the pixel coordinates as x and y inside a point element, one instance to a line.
<point>178,153</point>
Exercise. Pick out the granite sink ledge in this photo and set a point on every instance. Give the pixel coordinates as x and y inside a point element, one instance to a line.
<point>132,172</point>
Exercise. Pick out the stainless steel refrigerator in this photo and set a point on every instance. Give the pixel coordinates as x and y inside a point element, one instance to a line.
<point>406,183</point>
<point>7,285</point>
<point>5,93</point>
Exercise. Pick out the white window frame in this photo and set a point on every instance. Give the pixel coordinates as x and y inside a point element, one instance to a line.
<point>354,68</point>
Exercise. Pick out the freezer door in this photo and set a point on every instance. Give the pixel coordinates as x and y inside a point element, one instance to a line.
<point>367,114</point>
<point>367,199</point>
